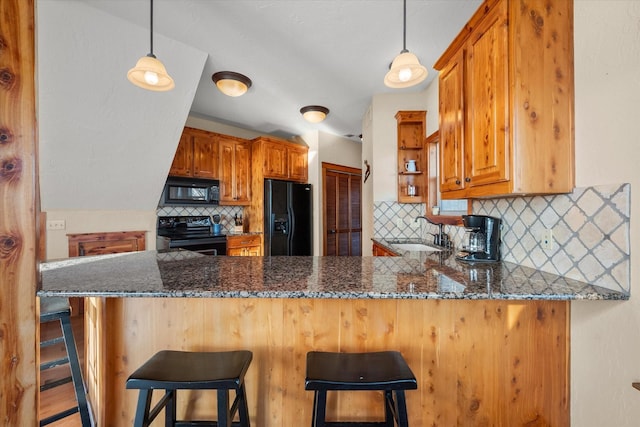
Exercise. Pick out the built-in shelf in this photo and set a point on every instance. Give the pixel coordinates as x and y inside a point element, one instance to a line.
<point>412,185</point>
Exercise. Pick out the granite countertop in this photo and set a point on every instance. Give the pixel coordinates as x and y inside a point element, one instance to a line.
<point>431,275</point>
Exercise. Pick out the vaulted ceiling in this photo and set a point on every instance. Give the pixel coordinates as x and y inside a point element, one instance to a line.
<point>333,53</point>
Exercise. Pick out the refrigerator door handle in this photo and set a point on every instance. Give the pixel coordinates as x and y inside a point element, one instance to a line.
<point>292,227</point>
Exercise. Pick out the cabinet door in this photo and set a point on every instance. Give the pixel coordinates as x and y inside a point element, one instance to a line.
<point>235,251</point>
<point>298,164</point>
<point>242,163</point>
<point>487,139</point>
<point>183,160</point>
<point>254,251</point>
<point>226,170</point>
<point>275,161</point>
<point>380,251</point>
<point>451,94</point>
<point>205,156</point>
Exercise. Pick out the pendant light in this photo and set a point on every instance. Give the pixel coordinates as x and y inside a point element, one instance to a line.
<point>405,70</point>
<point>149,73</point>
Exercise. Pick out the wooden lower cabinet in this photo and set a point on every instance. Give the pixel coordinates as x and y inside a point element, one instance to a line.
<point>379,250</point>
<point>483,362</point>
<point>244,245</point>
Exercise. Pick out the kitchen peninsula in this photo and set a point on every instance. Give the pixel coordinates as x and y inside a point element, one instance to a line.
<point>488,345</point>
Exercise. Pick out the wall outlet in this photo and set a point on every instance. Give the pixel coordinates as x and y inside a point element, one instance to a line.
<point>399,222</point>
<point>56,224</point>
<point>546,240</point>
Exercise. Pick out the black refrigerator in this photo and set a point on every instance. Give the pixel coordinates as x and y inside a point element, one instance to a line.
<point>288,218</point>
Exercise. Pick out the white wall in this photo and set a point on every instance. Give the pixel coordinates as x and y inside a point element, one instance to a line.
<point>213,126</point>
<point>324,147</point>
<point>380,148</point>
<point>93,123</point>
<point>605,337</point>
<point>385,138</point>
<point>95,222</point>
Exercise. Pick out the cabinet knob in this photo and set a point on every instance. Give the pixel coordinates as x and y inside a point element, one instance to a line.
<point>457,182</point>
<point>467,179</point>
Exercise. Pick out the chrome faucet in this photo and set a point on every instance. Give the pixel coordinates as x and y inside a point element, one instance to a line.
<point>440,239</point>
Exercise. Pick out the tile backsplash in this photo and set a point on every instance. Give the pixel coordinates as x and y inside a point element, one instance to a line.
<point>590,229</point>
<point>227,213</point>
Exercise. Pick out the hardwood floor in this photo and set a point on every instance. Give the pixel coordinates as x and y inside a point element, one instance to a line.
<point>62,397</point>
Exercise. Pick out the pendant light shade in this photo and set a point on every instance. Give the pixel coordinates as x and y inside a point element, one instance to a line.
<point>405,70</point>
<point>231,83</point>
<point>314,113</point>
<point>149,73</point>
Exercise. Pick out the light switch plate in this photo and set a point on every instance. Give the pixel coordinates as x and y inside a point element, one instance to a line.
<point>56,224</point>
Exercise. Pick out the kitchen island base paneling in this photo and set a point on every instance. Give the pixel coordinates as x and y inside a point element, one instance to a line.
<point>478,362</point>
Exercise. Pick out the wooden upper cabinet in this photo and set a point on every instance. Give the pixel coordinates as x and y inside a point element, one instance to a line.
<point>451,107</point>
<point>281,159</point>
<point>183,159</point>
<point>275,160</point>
<point>507,102</point>
<point>298,163</point>
<point>205,156</point>
<point>235,171</point>
<point>196,155</point>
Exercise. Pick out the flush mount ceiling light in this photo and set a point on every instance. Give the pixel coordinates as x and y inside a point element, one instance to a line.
<point>405,70</point>
<point>314,113</point>
<point>149,73</point>
<point>230,83</point>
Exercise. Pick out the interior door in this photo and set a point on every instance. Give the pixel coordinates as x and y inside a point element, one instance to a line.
<point>342,210</point>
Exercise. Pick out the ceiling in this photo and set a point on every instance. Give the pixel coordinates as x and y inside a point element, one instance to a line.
<point>333,53</point>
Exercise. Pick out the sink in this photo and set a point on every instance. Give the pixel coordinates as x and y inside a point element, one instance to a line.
<point>419,247</point>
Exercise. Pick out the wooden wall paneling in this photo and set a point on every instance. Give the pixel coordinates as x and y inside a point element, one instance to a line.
<point>415,340</point>
<point>18,216</point>
<point>477,362</point>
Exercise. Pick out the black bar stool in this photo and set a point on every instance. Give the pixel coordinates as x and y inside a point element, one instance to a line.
<point>183,370</point>
<point>52,309</point>
<point>384,370</point>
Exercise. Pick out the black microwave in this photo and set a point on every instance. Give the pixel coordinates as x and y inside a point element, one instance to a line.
<point>190,192</point>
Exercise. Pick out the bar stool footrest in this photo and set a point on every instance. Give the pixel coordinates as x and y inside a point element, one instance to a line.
<point>59,416</point>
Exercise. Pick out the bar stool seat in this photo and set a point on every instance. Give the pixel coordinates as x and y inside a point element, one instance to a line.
<point>384,370</point>
<point>183,370</point>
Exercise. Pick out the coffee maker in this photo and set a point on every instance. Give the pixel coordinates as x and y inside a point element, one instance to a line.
<point>482,239</point>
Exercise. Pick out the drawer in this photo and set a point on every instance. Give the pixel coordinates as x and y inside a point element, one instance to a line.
<point>243,241</point>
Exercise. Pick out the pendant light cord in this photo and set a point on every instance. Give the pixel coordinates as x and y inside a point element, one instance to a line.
<point>151,29</point>
<point>404,29</point>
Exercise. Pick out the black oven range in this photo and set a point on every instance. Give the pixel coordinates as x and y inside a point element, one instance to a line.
<point>194,233</point>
